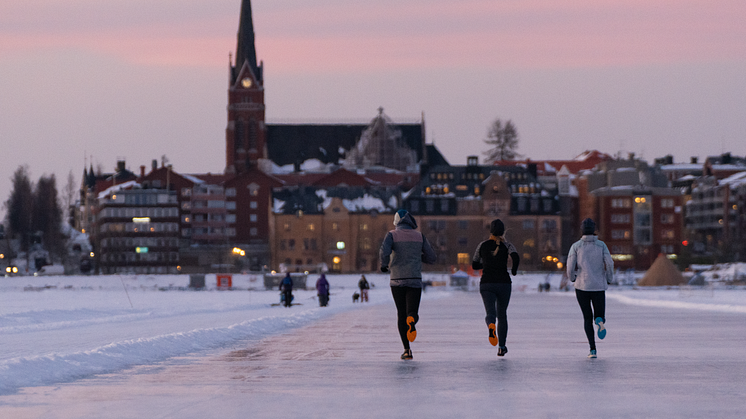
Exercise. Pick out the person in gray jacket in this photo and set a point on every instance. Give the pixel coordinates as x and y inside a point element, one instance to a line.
<point>591,269</point>
<point>402,253</point>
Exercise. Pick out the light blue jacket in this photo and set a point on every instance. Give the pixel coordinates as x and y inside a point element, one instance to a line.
<point>589,264</point>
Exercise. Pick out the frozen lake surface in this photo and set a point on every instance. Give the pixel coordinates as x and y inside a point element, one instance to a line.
<point>76,348</point>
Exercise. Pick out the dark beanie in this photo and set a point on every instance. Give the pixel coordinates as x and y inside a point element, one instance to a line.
<point>497,228</point>
<point>588,227</point>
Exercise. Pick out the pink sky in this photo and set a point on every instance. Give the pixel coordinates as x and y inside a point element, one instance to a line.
<point>143,78</point>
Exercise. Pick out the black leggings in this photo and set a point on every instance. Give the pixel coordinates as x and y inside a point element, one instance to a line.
<point>407,300</point>
<point>496,298</point>
<point>586,299</point>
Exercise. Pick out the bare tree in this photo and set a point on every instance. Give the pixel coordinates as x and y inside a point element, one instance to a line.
<point>504,141</point>
<point>68,197</point>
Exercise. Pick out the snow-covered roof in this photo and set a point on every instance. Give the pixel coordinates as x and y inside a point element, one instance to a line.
<point>116,188</point>
<point>193,179</point>
<point>735,180</point>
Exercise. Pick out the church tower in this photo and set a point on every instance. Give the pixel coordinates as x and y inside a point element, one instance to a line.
<point>246,133</point>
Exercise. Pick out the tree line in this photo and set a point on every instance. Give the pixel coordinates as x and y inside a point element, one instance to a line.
<point>33,215</point>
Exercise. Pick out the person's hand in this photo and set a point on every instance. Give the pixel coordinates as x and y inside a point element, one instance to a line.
<point>384,269</point>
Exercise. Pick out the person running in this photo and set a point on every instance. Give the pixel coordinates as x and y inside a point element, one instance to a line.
<point>286,287</point>
<point>591,269</point>
<point>495,285</point>
<point>322,290</point>
<point>402,252</point>
<point>364,287</point>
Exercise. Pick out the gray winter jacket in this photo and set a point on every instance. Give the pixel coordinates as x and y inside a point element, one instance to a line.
<point>402,252</point>
<point>589,264</point>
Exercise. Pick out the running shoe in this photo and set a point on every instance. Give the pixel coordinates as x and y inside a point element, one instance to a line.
<point>592,354</point>
<point>493,336</point>
<point>601,328</point>
<point>412,332</point>
<point>407,354</point>
<point>501,351</point>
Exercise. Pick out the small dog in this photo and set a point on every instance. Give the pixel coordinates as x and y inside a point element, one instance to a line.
<point>355,297</point>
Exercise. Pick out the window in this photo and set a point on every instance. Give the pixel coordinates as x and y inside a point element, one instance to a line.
<point>429,205</point>
<point>286,226</point>
<point>667,248</point>
<point>230,218</point>
<point>463,225</point>
<point>186,192</point>
<point>231,205</point>
<point>667,218</point>
<point>444,205</point>
<point>620,234</point>
<point>621,203</point>
<point>667,203</point>
<point>335,226</point>
<point>549,225</point>
<point>667,234</point>
<point>283,244</point>
<point>463,259</point>
<point>547,205</point>
<point>414,205</point>
<point>291,244</point>
<point>230,191</point>
<point>528,224</point>
<point>311,227</point>
<point>252,218</point>
<point>363,226</point>
<point>620,218</point>
<point>215,204</point>
<point>253,205</point>
<point>253,231</point>
<point>306,244</point>
<point>463,241</point>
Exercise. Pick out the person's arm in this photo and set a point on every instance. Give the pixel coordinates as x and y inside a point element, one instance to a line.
<point>572,259</point>
<point>516,259</point>
<point>428,254</point>
<point>384,254</point>
<point>476,260</point>
<point>608,265</point>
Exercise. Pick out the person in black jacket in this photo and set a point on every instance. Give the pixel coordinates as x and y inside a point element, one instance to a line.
<point>495,286</point>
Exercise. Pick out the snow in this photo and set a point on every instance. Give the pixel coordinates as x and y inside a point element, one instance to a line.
<point>147,346</point>
<point>193,179</point>
<point>116,188</point>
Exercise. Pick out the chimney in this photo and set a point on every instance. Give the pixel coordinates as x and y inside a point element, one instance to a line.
<point>142,170</point>
<point>694,160</point>
<point>154,164</point>
<point>121,165</point>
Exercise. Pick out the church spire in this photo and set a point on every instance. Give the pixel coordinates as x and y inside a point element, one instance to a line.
<point>245,49</point>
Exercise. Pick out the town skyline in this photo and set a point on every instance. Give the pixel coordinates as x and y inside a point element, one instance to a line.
<point>115,81</point>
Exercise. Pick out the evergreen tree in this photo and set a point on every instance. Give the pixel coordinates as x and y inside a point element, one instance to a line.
<point>504,141</point>
<point>18,207</point>
<point>47,216</point>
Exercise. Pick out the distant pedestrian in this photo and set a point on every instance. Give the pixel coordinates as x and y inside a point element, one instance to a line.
<point>364,287</point>
<point>286,288</point>
<point>322,290</point>
<point>403,251</point>
<point>495,285</point>
<point>591,269</point>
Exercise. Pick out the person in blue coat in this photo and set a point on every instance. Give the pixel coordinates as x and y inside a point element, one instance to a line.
<point>402,253</point>
<point>286,287</point>
<point>591,270</point>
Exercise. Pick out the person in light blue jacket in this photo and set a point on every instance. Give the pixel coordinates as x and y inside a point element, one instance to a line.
<point>591,269</point>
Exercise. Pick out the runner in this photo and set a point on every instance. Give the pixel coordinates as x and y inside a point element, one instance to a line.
<point>591,269</point>
<point>495,285</point>
<point>403,251</point>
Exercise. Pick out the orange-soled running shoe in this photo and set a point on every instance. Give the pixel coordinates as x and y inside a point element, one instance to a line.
<point>412,332</point>
<point>493,336</point>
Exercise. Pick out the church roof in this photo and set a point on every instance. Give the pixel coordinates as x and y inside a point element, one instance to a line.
<point>327,142</point>
<point>245,49</point>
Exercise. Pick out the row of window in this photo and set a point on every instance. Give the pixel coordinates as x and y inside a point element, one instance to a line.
<point>141,198</point>
<point>132,257</point>
<point>131,212</point>
<point>523,204</point>
<point>140,227</point>
<point>644,219</point>
<point>627,250</point>
<point>139,242</point>
<point>627,202</point>
<point>644,234</point>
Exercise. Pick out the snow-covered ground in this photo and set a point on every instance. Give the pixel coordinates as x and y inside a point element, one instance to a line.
<point>63,329</point>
